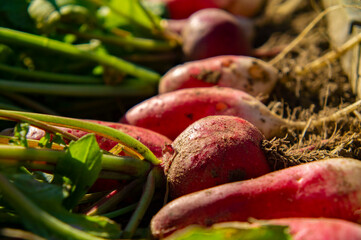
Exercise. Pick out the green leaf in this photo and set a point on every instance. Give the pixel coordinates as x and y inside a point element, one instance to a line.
<point>39,206</point>
<point>45,141</point>
<point>39,192</point>
<point>48,140</point>
<point>49,197</point>
<point>81,165</point>
<point>234,231</point>
<point>20,131</point>
<point>128,12</point>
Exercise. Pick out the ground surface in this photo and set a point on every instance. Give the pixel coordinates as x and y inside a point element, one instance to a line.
<point>316,94</point>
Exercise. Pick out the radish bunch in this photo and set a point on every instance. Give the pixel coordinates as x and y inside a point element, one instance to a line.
<point>325,188</point>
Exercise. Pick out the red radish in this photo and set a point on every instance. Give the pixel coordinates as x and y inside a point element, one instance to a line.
<point>326,188</point>
<point>297,228</point>
<point>248,74</point>
<point>212,151</point>
<point>213,32</point>
<point>154,141</point>
<point>179,9</point>
<point>319,228</point>
<point>170,113</point>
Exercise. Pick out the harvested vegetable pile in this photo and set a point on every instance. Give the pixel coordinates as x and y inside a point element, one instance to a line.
<point>176,119</point>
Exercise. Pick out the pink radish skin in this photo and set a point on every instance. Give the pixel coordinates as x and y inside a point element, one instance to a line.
<point>212,151</point>
<point>320,228</point>
<point>170,113</point>
<point>300,228</point>
<point>326,188</point>
<point>154,141</point>
<point>213,32</point>
<point>248,74</point>
<point>179,9</point>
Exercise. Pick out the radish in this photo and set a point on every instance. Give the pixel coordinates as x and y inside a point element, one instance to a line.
<point>154,141</point>
<point>180,9</point>
<point>248,74</point>
<point>212,151</point>
<point>170,113</point>
<point>319,228</point>
<point>326,188</point>
<point>297,228</point>
<point>212,32</point>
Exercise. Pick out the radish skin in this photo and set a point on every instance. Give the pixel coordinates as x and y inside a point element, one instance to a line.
<point>180,9</point>
<point>212,151</point>
<point>297,228</point>
<point>326,188</point>
<point>170,113</point>
<point>320,228</point>
<point>248,74</point>
<point>213,32</point>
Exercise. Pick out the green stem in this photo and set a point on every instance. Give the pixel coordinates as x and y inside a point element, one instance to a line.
<point>37,123</point>
<point>98,129</point>
<point>78,90</point>
<point>26,39</point>
<point>30,165</point>
<point>143,205</point>
<point>113,198</point>
<point>122,164</point>
<point>13,233</point>
<point>49,76</point>
<point>120,211</point>
<point>33,213</point>
<point>156,26</point>
<point>125,15</point>
<point>130,41</point>
<point>113,175</point>
<point>50,168</point>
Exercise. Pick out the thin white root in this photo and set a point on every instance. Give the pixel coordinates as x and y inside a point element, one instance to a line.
<point>343,112</point>
<point>329,57</point>
<point>309,27</point>
<point>301,125</point>
<point>304,131</point>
